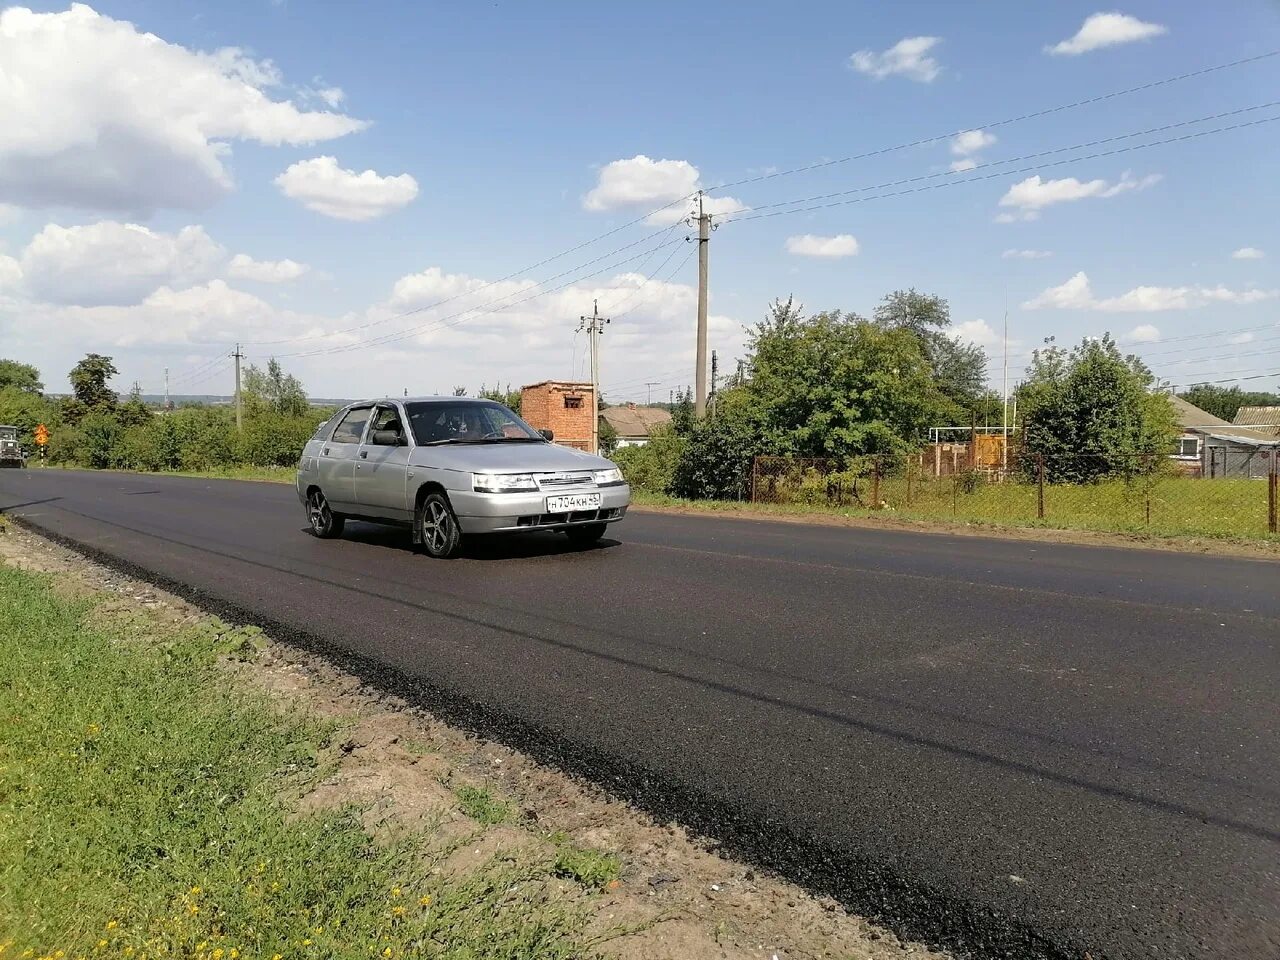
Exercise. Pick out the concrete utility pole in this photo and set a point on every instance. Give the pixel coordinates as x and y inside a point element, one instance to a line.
<point>239,407</point>
<point>651,384</point>
<point>166,388</point>
<point>704,241</point>
<point>594,325</point>
<point>715,376</point>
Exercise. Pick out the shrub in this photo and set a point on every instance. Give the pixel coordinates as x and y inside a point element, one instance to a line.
<point>651,467</point>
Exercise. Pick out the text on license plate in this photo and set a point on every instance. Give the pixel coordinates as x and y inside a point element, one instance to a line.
<point>567,503</point>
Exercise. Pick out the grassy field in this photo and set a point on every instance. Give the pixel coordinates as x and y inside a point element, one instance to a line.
<point>145,812</point>
<point>1167,507</point>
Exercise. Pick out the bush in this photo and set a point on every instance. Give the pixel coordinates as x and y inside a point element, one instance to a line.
<point>651,467</point>
<point>715,461</point>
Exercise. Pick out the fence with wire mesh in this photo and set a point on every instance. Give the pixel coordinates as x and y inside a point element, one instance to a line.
<point>1097,491</point>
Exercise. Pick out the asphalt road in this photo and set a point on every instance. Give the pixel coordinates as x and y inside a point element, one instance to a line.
<point>1012,748</point>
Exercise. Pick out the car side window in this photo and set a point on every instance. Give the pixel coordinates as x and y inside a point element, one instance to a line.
<point>387,418</point>
<point>351,429</point>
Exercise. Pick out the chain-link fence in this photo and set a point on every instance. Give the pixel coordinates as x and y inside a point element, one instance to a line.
<point>1120,492</point>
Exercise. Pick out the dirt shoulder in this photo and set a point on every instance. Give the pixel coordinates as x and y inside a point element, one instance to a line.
<point>649,889</point>
<point>1255,550</point>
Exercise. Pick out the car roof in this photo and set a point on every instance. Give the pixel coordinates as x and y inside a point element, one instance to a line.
<point>426,399</point>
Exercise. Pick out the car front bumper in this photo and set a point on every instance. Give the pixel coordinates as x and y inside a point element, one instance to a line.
<point>513,512</point>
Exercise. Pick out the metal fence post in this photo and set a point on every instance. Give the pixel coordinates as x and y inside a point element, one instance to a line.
<point>955,493</point>
<point>909,483</point>
<point>1273,481</point>
<point>755,467</point>
<point>1040,486</point>
<point>875,484</point>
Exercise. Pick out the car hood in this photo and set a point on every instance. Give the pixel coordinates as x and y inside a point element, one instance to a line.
<point>507,458</point>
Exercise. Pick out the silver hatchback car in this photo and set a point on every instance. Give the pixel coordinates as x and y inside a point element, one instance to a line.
<point>449,466</point>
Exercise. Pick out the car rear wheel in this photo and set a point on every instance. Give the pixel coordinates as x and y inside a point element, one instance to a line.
<point>438,530</point>
<point>325,524</point>
<point>586,534</point>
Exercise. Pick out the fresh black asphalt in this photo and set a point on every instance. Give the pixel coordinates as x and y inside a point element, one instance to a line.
<point>1010,748</point>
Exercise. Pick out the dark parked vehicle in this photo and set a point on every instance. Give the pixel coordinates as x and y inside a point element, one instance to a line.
<point>11,452</point>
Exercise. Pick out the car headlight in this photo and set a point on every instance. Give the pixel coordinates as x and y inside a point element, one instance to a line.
<point>503,482</point>
<point>607,478</point>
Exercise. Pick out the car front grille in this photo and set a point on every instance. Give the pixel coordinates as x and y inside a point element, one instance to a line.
<point>552,480</point>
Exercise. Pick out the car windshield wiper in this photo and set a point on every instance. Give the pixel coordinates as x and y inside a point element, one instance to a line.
<point>436,443</point>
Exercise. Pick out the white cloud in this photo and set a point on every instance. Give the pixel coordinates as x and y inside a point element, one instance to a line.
<point>1143,333</point>
<point>641,181</point>
<point>908,57</point>
<point>244,267</point>
<point>1248,253</point>
<point>1012,254</point>
<point>1240,338</point>
<point>981,333</point>
<point>1028,197</point>
<point>1072,295</point>
<point>99,116</point>
<point>971,141</point>
<point>10,273</point>
<point>114,263</point>
<point>809,245</point>
<point>1107,30</point>
<point>1076,294</point>
<point>960,166</point>
<point>319,184</point>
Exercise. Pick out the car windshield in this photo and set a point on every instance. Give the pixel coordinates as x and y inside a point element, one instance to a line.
<point>467,421</point>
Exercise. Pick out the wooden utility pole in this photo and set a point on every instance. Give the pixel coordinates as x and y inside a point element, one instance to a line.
<point>594,325</point>
<point>239,406</point>
<point>704,241</point>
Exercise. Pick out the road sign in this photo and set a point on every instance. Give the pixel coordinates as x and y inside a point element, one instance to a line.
<point>42,435</point>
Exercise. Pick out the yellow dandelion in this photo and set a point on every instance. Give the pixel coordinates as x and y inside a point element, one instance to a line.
<point>397,910</point>
<point>386,952</point>
<point>395,891</point>
<point>193,909</point>
<point>306,943</point>
<point>112,924</point>
<point>196,891</point>
<point>424,901</point>
<point>217,953</point>
<point>101,944</point>
<point>201,945</point>
<point>234,953</point>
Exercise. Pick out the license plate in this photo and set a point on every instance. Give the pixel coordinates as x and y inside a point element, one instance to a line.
<point>570,502</point>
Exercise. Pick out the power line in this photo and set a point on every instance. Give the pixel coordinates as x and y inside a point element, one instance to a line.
<point>991,176</point>
<point>998,123</point>
<point>462,315</point>
<point>491,283</point>
<point>1029,156</point>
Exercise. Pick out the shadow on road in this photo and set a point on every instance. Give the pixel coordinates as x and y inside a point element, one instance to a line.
<point>520,546</point>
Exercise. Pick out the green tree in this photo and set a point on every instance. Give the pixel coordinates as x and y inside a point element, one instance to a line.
<point>836,385</point>
<point>273,390</point>
<point>714,458</point>
<point>90,392</point>
<point>959,369</point>
<point>1091,413</point>
<point>1224,402</point>
<point>134,411</point>
<point>506,396</point>
<point>20,376</point>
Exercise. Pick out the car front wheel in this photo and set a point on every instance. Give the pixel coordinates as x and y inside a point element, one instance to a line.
<point>325,524</point>
<point>438,530</point>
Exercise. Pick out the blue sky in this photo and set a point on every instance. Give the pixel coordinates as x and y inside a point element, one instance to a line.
<point>506,119</point>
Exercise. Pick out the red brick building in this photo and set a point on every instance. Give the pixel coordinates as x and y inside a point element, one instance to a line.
<point>563,407</point>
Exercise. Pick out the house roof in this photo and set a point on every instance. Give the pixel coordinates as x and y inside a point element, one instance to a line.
<point>1194,420</point>
<point>1265,419</point>
<point>635,421</point>
<point>558,385</point>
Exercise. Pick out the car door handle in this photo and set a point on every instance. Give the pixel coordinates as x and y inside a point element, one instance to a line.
<point>364,454</point>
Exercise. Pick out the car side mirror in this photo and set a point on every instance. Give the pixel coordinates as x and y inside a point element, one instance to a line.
<point>388,438</point>
<point>547,434</point>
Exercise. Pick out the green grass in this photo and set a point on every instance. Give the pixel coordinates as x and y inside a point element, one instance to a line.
<point>591,868</point>
<point>271,474</point>
<point>141,813</point>
<point>481,806</point>
<point>1231,509</point>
